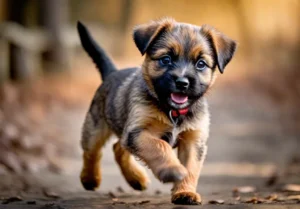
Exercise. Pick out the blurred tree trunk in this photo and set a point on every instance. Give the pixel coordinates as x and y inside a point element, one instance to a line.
<point>3,60</point>
<point>54,15</point>
<point>3,11</point>
<point>18,62</point>
<point>127,7</point>
<point>126,14</point>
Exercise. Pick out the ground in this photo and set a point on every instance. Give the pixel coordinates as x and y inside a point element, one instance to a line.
<point>245,149</point>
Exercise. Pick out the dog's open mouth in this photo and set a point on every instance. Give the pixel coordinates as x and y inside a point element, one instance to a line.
<point>179,98</point>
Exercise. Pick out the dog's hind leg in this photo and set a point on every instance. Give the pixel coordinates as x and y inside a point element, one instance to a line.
<point>94,135</point>
<point>134,174</point>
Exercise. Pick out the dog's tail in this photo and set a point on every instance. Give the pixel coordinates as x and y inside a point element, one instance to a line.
<point>100,58</point>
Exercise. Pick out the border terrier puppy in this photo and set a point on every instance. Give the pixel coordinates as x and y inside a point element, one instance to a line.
<point>156,107</point>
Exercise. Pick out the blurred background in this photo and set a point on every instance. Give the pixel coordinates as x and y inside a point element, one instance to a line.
<point>47,83</point>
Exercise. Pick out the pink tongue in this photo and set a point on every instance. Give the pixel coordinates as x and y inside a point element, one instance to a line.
<point>179,98</point>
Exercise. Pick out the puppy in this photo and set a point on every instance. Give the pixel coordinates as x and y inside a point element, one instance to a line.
<point>156,107</point>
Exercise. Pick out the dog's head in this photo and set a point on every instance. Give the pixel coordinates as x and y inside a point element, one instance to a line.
<point>181,59</point>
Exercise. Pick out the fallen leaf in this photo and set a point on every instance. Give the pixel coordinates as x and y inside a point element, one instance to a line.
<point>255,200</point>
<point>12,199</point>
<point>244,189</point>
<point>118,202</point>
<point>217,202</point>
<point>144,202</point>
<point>272,197</point>
<point>291,188</point>
<point>52,205</point>
<point>50,194</point>
<point>281,199</point>
<point>293,197</point>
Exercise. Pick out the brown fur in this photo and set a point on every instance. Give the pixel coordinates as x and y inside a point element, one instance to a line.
<point>132,171</point>
<point>132,104</point>
<point>92,142</point>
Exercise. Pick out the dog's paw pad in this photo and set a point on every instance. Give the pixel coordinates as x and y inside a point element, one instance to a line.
<point>172,174</point>
<point>186,198</point>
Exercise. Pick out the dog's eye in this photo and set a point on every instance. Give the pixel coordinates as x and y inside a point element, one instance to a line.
<point>201,65</point>
<point>165,60</point>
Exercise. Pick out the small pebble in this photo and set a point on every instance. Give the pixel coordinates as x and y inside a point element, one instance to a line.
<point>216,202</point>
<point>120,189</point>
<point>158,192</point>
<point>112,195</point>
<point>31,202</point>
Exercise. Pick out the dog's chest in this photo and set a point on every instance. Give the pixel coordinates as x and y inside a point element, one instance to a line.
<point>171,137</point>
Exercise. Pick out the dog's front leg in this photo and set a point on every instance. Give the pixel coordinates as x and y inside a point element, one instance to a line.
<point>156,153</point>
<point>191,152</point>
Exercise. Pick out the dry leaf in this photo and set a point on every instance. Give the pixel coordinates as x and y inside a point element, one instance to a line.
<point>50,194</point>
<point>120,202</point>
<point>272,197</point>
<point>281,199</point>
<point>244,189</point>
<point>216,202</point>
<point>117,201</point>
<point>12,199</point>
<point>144,202</point>
<point>291,188</point>
<point>293,197</point>
<point>255,200</point>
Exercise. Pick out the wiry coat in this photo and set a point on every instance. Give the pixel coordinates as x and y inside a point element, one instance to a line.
<point>135,105</point>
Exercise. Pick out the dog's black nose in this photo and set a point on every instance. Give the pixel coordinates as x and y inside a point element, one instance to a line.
<point>182,83</point>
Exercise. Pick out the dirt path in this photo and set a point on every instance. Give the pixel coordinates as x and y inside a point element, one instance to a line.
<point>245,147</point>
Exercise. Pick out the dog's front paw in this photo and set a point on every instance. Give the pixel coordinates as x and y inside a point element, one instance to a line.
<point>186,198</point>
<point>138,185</point>
<point>90,182</point>
<point>172,174</point>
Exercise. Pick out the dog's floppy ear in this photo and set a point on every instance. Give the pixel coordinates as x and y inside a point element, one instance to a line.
<point>144,35</point>
<point>223,46</point>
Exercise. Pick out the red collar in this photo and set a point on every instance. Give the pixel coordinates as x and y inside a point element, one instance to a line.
<point>176,113</point>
